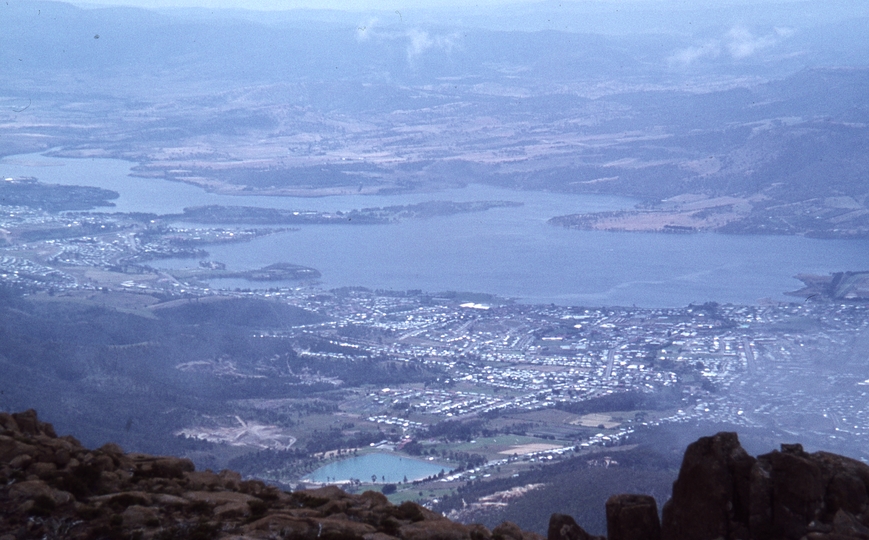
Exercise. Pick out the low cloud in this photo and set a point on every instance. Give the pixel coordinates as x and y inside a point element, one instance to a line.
<point>416,41</point>
<point>421,41</point>
<point>738,43</point>
<point>741,43</point>
<point>365,30</point>
<point>689,55</point>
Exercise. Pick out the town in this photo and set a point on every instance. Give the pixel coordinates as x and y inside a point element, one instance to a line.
<point>548,380</point>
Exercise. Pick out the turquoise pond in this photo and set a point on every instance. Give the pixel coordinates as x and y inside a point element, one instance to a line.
<point>388,468</point>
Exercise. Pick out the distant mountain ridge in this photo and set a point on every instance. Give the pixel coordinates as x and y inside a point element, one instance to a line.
<point>760,112</point>
<point>40,38</point>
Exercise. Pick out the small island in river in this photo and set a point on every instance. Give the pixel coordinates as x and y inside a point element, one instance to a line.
<point>251,215</point>
<point>272,272</point>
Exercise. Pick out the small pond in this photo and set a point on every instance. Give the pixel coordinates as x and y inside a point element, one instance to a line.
<point>388,468</point>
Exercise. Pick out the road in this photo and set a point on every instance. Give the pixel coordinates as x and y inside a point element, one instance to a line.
<point>610,360</point>
<point>749,357</point>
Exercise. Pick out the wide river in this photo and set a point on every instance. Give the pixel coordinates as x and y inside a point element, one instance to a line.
<point>511,252</point>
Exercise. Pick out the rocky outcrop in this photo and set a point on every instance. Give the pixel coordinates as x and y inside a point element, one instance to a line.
<point>564,527</point>
<point>632,517</point>
<point>53,487</point>
<point>724,493</point>
<point>710,496</point>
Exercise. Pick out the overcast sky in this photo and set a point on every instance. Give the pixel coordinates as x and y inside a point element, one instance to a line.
<point>273,5</point>
<point>362,5</point>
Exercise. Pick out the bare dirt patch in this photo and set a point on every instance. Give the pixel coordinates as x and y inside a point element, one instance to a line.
<point>523,449</point>
<point>596,420</point>
<point>251,434</point>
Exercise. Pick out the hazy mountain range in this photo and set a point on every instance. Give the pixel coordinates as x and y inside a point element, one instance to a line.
<point>764,104</point>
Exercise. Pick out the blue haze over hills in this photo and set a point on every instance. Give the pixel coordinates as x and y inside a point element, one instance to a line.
<point>765,102</point>
<point>656,154</point>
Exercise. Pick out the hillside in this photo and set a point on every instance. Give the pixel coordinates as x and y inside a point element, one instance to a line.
<point>53,487</point>
<point>768,139</point>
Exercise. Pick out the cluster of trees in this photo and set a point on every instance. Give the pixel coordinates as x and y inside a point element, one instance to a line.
<point>256,462</point>
<point>335,439</point>
<point>357,366</point>
<point>465,460</point>
<point>301,460</point>
<point>454,430</point>
<point>663,398</point>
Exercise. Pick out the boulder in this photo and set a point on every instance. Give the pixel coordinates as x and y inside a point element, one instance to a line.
<point>219,497</point>
<point>42,470</point>
<point>164,467</point>
<point>374,499</point>
<point>284,526</point>
<point>563,527</point>
<point>413,512</point>
<point>102,462</point>
<point>21,461</point>
<point>202,480</point>
<point>373,536</point>
<point>7,423</point>
<point>29,424</point>
<point>123,499</point>
<point>711,494</point>
<point>62,457</point>
<point>480,532</point>
<point>313,498</point>
<point>795,492</point>
<point>632,517</point>
<point>434,530</point>
<point>343,529</point>
<point>37,489</point>
<point>164,499</point>
<point>137,516</point>
<point>510,531</point>
<point>232,510</point>
<point>11,448</point>
<point>721,492</point>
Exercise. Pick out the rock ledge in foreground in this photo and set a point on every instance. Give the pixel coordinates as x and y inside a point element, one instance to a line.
<point>53,487</point>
